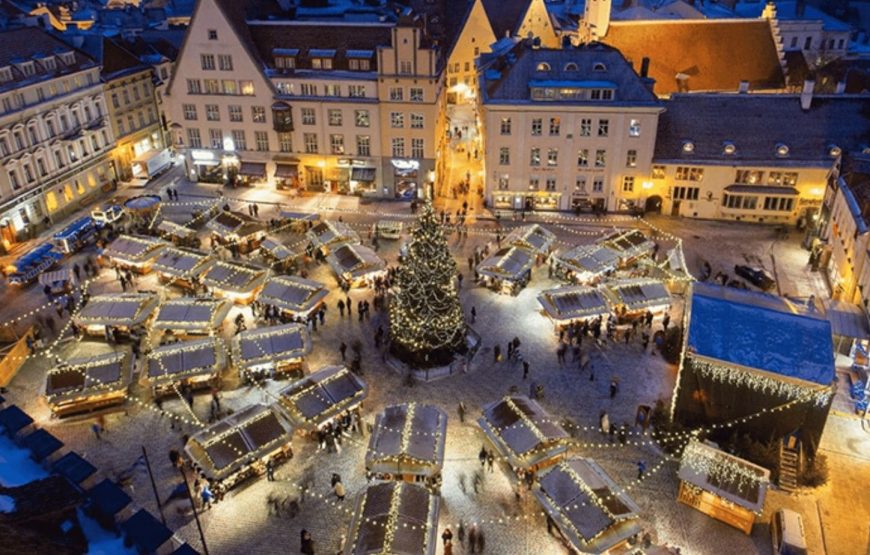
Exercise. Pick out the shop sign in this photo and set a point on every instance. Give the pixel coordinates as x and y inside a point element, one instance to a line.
<point>202,155</point>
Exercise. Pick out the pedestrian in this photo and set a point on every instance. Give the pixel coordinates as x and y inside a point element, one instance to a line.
<point>490,461</point>
<point>496,353</point>
<point>322,314</point>
<point>256,210</point>
<point>666,320</point>
<point>341,308</point>
<point>307,544</point>
<point>525,369</point>
<point>207,497</point>
<point>472,538</point>
<point>460,532</point>
<point>461,411</point>
<point>349,304</point>
<point>447,536</point>
<point>614,387</point>
<point>339,491</point>
<point>481,541</point>
<point>641,468</point>
<point>550,524</point>
<point>604,423</point>
<point>473,314</point>
<point>270,471</point>
<point>470,263</point>
<point>77,272</point>
<point>482,455</point>
<point>644,336</point>
<point>95,427</point>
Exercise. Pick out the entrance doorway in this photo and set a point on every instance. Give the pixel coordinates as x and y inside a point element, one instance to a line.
<point>675,209</point>
<point>653,205</point>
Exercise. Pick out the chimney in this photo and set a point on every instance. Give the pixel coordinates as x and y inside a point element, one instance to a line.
<point>743,88</point>
<point>799,8</point>
<point>644,67</point>
<point>841,87</point>
<point>807,94</point>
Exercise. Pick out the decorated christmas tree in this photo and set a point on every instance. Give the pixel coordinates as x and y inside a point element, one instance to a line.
<point>427,325</point>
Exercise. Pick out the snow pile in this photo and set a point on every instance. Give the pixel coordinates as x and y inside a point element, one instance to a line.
<point>7,504</point>
<point>16,466</point>
<point>100,541</point>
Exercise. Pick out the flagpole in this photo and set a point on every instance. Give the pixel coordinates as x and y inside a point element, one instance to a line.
<point>153,486</point>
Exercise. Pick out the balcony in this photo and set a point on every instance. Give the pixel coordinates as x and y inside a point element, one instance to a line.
<point>282,117</point>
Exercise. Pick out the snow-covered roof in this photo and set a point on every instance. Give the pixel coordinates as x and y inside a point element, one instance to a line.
<point>760,331</point>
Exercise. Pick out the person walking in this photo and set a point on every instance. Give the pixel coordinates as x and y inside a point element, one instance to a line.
<point>207,497</point>
<point>614,387</point>
<point>270,471</point>
<point>496,353</point>
<point>641,468</point>
<point>604,423</point>
<point>307,543</point>
<point>525,369</point>
<point>343,350</point>
<point>472,538</point>
<point>490,461</point>
<point>473,314</point>
<point>97,429</point>
<point>349,304</point>
<point>447,536</point>
<point>341,308</point>
<point>461,411</point>
<point>339,490</point>
<point>482,456</point>
<point>666,320</point>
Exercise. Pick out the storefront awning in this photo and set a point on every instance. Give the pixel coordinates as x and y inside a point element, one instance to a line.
<point>287,170</point>
<point>362,174</point>
<point>253,169</point>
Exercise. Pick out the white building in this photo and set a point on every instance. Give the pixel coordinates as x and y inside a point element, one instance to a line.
<point>565,129</point>
<point>55,140</point>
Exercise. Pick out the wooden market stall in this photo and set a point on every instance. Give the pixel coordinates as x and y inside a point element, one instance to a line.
<point>407,444</point>
<point>326,234</point>
<point>60,281</point>
<point>237,448</point>
<point>294,296</point>
<point>396,518</point>
<point>277,254</point>
<point>177,234</point>
<point>237,281</point>
<point>133,252</point>
<point>191,316</point>
<point>271,352</point>
<point>88,384</point>
<point>387,229</point>
<point>196,364</point>
<point>592,514</point>
<point>182,266</point>
<point>721,485</point>
<point>631,297</point>
<point>318,398</point>
<point>573,303</point>
<point>355,265</point>
<point>298,222</point>
<point>508,270</point>
<point>237,228</point>
<point>630,244</point>
<point>122,312</point>
<point>533,237</point>
<point>523,432</point>
<point>586,264</point>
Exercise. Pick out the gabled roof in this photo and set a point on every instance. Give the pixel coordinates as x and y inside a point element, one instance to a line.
<point>505,16</point>
<point>32,43</point>
<point>118,61</point>
<point>715,54</point>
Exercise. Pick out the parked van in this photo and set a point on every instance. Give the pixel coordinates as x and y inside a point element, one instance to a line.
<point>787,533</point>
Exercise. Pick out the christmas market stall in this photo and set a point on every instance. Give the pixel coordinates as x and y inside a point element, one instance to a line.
<point>120,312</point>
<point>237,281</point>
<point>508,270</point>
<point>355,265</point>
<point>630,244</point>
<point>523,432</point>
<point>327,234</point>
<point>228,228</point>
<point>533,237</point>
<point>59,281</point>
<point>320,397</point>
<point>237,448</point>
<point>295,297</point>
<point>592,514</point>
<point>299,222</point>
<point>133,252</point>
<point>586,264</point>
<point>572,304</point>
<point>182,266</point>
<point>633,297</point>
<point>277,254</point>
<point>721,485</point>
<point>271,352</point>
<point>187,316</point>
<point>88,384</point>
<point>396,518</point>
<point>196,364</point>
<point>407,444</point>
<point>387,229</point>
<point>177,234</point>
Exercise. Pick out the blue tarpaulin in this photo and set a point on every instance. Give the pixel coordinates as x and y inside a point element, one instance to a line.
<point>73,229</point>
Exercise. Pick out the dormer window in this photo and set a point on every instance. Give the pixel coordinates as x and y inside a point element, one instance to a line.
<point>48,63</point>
<point>598,66</point>
<point>570,66</point>
<point>285,62</point>
<point>359,60</point>
<point>68,58</point>
<point>729,148</point>
<point>321,59</point>
<point>5,74</point>
<point>543,66</point>
<point>688,147</point>
<point>834,151</point>
<point>781,150</point>
<point>27,68</point>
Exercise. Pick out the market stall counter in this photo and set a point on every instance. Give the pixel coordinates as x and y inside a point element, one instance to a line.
<point>327,234</point>
<point>195,364</point>
<point>121,312</point>
<point>277,254</point>
<point>523,432</point>
<point>294,296</point>
<point>237,447</point>
<point>60,281</point>
<point>629,244</point>
<point>407,444</point>
<point>387,229</point>
<point>395,518</point>
<point>507,271</point>
<point>133,252</point>
<point>84,385</point>
<point>632,297</point>
<point>237,281</point>
<point>572,304</point>
<point>177,234</point>
<point>188,316</point>
<point>586,264</point>
<point>592,514</point>
<point>355,265</point>
<point>271,352</point>
<point>533,237</point>
<point>317,399</point>
<point>236,228</point>
<point>182,266</point>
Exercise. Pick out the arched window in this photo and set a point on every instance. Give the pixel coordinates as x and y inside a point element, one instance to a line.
<point>570,66</point>
<point>598,66</point>
<point>543,66</point>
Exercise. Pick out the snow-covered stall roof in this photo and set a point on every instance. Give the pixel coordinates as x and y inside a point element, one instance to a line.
<point>229,444</point>
<point>328,233</point>
<point>759,331</point>
<point>394,517</point>
<point>322,395</point>
<point>182,263</point>
<point>292,293</point>
<point>628,243</point>
<point>275,249</point>
<point>533,237</point>
<point>274,344</point>
<point>354,261</point>
<point>509,263</point>
<point>134,249</point>
<point>235,225</point>
<point>235,277</point>
<point>734,479</point>
<point>522,430</point>
<point>574,302</point>
<point>190,314</point>
<point>117,309</point>
<point>82,377</point>
<point>171,230</point>
<point>186,359</point>
<point>592,512</point>
<point>638,293</point>
<point>408,434</point>
<point>589,261</point>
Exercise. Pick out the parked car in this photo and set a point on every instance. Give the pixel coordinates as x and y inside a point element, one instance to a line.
<point>759,277</point>
<point>787,533</point>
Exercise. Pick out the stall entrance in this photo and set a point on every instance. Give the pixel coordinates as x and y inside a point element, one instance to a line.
<point>314,179</point>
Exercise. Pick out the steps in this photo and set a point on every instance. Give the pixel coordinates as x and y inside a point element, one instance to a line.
<point>789,465</point>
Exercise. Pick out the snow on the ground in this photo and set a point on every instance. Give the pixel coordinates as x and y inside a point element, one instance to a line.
<point>7,504</point>
<point>16,466</point>
<point>100,541</point>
